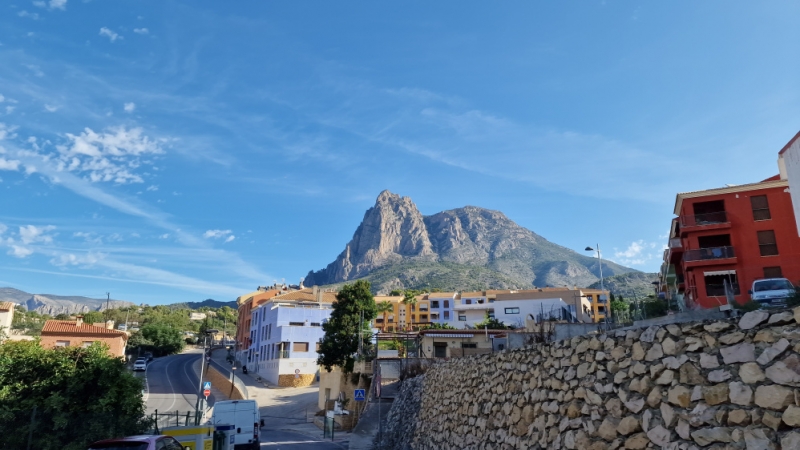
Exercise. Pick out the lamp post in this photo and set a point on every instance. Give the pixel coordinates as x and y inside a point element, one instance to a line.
<point>202,363</point>
<point>602,287</point>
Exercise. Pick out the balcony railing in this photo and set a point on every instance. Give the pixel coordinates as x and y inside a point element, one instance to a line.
<point>703,254</point>
<point>675,243</point>
<point>283,354</point>
<point>699,220</point>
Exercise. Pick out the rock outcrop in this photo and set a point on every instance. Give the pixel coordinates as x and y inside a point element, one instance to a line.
<point>57,304</point>
<point>394,231</point>
<point>688,386</point>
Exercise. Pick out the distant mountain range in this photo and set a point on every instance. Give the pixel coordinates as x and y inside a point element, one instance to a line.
<point>396,247</point>
<point>631,285</point>
<point>58,304</point>
<point>208,303</point>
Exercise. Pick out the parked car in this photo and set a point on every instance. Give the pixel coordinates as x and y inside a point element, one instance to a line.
<point>772,292</point>
<point>140,364</point>
<point>244,416</point>
<point>138,443</point>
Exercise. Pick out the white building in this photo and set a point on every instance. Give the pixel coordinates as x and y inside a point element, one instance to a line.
<point>513,312</point>
<point>789,165</point>
<point>285,332</point>
<point>6,317</point>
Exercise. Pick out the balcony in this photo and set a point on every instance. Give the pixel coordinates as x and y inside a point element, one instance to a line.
<point>283,354</point>
<point>675,243</point>
<point>710,220</point>
<point>709,255</point>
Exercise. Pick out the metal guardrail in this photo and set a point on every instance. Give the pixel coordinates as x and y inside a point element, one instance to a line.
<point>702,254</point>
<point>704,219</point>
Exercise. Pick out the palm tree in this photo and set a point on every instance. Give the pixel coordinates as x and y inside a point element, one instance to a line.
<point>385,307</point>
<point>409,299</point>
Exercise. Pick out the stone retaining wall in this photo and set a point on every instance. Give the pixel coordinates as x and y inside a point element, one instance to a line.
<point>728,384</point>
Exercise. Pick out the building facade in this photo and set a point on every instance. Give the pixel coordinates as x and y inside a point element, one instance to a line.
<point>246,304</point>
<point>6,317</point>
<point>284,334</point>
<point>723,239</point>
<point>405,316</point>
<point>789,166</point>
<point>69,333</point>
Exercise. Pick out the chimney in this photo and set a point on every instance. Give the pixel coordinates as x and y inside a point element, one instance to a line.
<point>79,321</point>
<point>317,293</point>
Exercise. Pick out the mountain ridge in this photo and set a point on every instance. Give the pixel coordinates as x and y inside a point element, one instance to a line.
<point>58,304</point>
<point>394,233</point>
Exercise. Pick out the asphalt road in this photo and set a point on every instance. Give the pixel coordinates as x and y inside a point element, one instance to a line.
<point>172,384</point>
<point>275,440</point>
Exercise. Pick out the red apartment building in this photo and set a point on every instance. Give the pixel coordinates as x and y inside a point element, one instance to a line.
<point>736,234</point>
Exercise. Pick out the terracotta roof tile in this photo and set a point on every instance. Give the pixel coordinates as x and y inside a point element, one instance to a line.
<point>306,295</point>
<point>59,327</point>
<point>6,306</point>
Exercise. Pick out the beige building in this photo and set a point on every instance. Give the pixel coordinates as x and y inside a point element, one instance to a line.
<point>456,343</point>
<point>69,333</point>
<point>586,302</point>
<point>404,316</point>
<point>6,316</point>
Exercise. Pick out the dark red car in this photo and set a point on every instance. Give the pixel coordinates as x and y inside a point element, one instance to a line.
<point>138,443</point>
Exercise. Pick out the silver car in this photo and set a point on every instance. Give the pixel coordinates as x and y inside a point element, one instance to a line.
<point>140,364</point>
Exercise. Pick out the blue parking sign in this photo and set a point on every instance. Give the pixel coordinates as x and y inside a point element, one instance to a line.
<point>359,394</point>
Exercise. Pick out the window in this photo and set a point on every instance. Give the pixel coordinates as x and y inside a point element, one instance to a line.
<point>766,243</point>
<point>715,284</point>
<point>296,324</point>
<point>490,313</point>
<point>379,320</point>
<point>447,303</point>
<point>316,324</point>
<point>435,304</point>
<point>491,300</point>
<point>87,344</point>
<point>462,318</point>
<point>469,345</point>
<point>300,347</point>
<point>760,207</point>
<point>447,315</point>
<point>62,343</point>
<point>269,331</point>
<point>319,345</point>
<point>773,272</point>
<point>468,301</point>
<point>512,310</point>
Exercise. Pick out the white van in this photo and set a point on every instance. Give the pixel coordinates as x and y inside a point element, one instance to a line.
<point>771,292</point>
<point>245,418</point>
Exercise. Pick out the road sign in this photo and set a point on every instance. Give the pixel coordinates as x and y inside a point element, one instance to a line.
<point>206,385</point>
<point>206,393</point>
<point>358,395</point>
<point>297,371</point>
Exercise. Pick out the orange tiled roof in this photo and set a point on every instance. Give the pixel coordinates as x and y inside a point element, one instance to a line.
<point>62,327</point>
<point>6,306</point>
<point>307,295</point>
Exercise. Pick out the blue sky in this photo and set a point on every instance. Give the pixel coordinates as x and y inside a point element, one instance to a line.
<point>171,151</point>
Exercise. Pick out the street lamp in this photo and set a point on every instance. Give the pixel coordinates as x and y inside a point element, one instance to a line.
<point>202,361</point>
<point>602,287</point>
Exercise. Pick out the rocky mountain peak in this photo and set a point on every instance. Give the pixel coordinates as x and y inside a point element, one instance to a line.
<point>394,231</point>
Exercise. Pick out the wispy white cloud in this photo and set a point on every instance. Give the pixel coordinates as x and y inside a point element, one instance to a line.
<point>130,107</point>
<point>50,108</point>
<point>9,164</point>
<point>112,36</point>
<point>19,251</point>
<point>638,253</point>
<point>52,4</point>
<point>152,188</point>
<point>30,234</point>
<point>219,234</point>
<point>141,30</point>
<point>164,236</point>
<point>110,155</point>
<point>30,15</point>
<point>72,259</point>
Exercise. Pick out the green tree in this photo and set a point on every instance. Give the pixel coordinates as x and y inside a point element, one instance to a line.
<point>384,307</point>
<point>409,299</point>
<point>491,323</point>
<point>80,394</point>
<point>93,317</point>
<point>166,339</point>
<point>439,326</point>
<point>353,311</point>
<point>62,316</point>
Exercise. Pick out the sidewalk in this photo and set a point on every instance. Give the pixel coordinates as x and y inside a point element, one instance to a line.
<point>285,409</point>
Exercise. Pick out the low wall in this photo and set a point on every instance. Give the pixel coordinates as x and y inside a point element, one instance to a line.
<point>223,383</point>
<point>725,384</point>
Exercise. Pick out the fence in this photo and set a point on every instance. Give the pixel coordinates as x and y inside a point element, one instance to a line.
<point>174,419</point>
